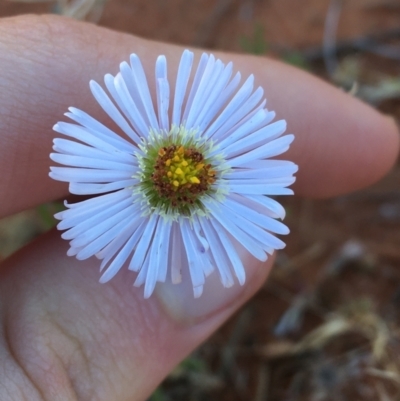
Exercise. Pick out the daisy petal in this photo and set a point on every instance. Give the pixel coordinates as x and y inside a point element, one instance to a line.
<point>231,252</point>
<point>109,107</point>
<point>196,273</point>
<point>217,250</point>
<point>184,69</point>
<point>177,257</point>
<point>270,149</point>
<point>143,246</point>
<point>123,255</point>
<point>101,130</point>
<point>265,222</point>
<point>143,88</point>
<point>163,92</point>
<point>237,101</point>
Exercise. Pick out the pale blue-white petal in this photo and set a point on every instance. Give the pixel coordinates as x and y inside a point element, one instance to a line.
<point>73,251</point>
<point>260,190</point>
<point>84,135</point>
<point>219,102</point>
<point>235,103</point>
<point>177,260</point>
<point>99,129</point>
<point>197,229</point>
<point>195,85</point>
<point>163,92</point>
<point>198,291</point>
<point>242,237</point>
<point>267,181</point>
<point>143,88</point>
<point>109,251</point>
<point>266,164</point>
<point>262,122</point>
<point>263,221</point>
<point>273,148</point>
<point>270,204</point>
<point>163,255</point>
<point>141,277</point>
<point>281,168</point>
<point>91,204</point>
<point>90,221</point>
<point>144,244</point>
<point>202,90</point>
<point>262,204</point>
<point>154,251</point>
<point>68,147</point>
<point>243,131</point>
<point>87,175</point>
<point>218,252</point>
<point>123,254</point>
<point>254,139</point>
<point>117,87</point>
<point>182,79</point>
<point>211,106</point>
<point>230,250</point>
<point>100,242</point>
<point>126,72</point>
<point>111,110</point>
<point>196,273</point>
<point>101,226</point>
<point>81,161</point>
<point>248,109</point>
<point>201,247</point>
<point>78,188</point>
<point>157,269</point>
<point>254,231</point>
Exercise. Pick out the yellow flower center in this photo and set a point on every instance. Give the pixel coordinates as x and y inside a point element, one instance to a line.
<point>181,174</point>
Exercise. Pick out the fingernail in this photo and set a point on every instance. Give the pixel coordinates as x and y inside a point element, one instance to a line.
<point>178,300</point>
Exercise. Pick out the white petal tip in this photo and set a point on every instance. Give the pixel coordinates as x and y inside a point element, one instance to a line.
<point>148,292</point>
<point>228,284</point>
<point>176,276</point>
<point>59,216</point>
<point>197,291</point>
<point>71,252</point>
<point>103,279</point>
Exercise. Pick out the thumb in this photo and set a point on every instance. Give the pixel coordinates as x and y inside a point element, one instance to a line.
<point>66,338</point>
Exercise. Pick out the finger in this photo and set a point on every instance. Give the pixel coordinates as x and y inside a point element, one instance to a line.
<point>68,337</point>
<point>47,62</point>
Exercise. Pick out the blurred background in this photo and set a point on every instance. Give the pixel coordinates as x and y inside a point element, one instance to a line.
<point>326,325</point>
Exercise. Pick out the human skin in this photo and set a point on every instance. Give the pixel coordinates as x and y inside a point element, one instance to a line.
<point>63,335</point>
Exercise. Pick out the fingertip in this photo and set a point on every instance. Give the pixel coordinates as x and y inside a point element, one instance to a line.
<point>392,141</point>
<point>354,147</point>
<point>375,147</point>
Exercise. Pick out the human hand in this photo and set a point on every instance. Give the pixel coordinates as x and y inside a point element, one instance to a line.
<point>65,336</point>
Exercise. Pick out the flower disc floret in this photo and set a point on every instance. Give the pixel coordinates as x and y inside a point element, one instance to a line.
<point>176,173</point>
<point>180,175</point>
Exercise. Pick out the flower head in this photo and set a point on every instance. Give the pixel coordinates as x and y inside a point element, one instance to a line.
<point>177,188</point>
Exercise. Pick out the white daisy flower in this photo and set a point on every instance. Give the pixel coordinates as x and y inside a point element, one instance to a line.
<point>179,186</point>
